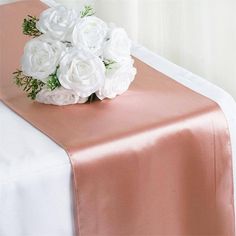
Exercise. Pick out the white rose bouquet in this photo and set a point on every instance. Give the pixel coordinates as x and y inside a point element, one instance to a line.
<point>74,58</point>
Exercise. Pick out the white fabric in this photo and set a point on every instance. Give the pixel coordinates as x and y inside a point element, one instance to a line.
<point>35,181</point>
<point>35,173</point>
<point>196,34</point>
<point>75,4</point>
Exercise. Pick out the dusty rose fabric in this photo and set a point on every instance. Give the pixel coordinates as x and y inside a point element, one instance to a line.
<point>155,161</point>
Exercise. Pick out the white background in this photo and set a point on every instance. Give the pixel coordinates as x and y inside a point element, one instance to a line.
<point>199,35</point>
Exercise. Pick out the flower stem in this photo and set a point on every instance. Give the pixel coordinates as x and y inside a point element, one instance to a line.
<point>92,98</point>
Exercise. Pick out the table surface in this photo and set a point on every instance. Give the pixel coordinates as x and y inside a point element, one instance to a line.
<point>35,173</point>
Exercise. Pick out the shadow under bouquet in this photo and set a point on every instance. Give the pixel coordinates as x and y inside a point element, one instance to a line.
<point>74,57</point>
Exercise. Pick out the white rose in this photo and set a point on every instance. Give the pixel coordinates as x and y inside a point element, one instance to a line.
<point>90,32</point>
<point>118,46</point>
<point>58,22</point>
<point>118,79</point>
<point>41,57</point>
<point>81,71</point>
<point>59,97</point>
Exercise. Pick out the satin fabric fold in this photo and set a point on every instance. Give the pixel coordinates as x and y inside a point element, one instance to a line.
<point>154,161</point>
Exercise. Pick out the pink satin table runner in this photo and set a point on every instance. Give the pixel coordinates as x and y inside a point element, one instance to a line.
<point>155,161</point>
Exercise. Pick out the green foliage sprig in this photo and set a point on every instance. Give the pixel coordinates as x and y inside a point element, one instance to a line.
<point>30,85</point>
<point>29,26</point>
<point>88,11</point>
<point>109,63</point>
<point>53,81</point>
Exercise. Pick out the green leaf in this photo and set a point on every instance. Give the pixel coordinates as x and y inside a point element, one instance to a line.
<point>29,26</point>
<point>28,84</point>
<point>88,11</point>
<point>53,81</point>
<point>109,63</point>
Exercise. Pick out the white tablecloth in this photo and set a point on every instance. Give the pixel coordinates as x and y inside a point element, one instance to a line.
<point>35,173</point>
